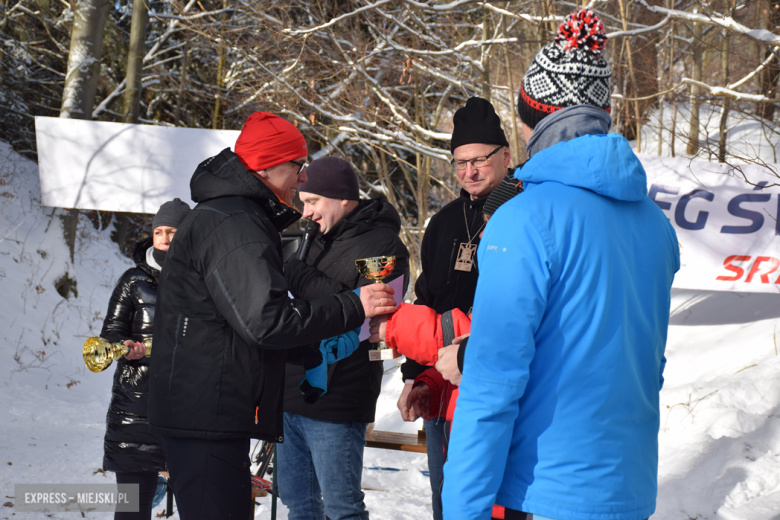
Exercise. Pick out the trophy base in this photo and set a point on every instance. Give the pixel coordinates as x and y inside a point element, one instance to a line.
<point>383,354</point>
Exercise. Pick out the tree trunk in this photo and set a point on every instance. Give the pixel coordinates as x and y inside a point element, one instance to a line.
<point>693,134</point>
<point>724,114</point>
<point>769,76</point>
<point>674,130</point>
<point>135,56</point>
<point>637,126</point>
<point>220,79</point>
<point>182,83</point>
<point>218,95</point>
<point>78,94</point>
<point>86,43</point>
<point>3,24</point>
<point>511,84</point>
<point>485,57</point>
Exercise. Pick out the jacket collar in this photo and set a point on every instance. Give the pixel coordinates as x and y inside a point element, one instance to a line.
<point>567,124</point>
<point>139,257</point>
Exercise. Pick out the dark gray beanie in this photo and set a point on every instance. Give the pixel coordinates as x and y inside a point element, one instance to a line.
<point>331,177</point>
<point>171,213</point>
<point>477,122</point>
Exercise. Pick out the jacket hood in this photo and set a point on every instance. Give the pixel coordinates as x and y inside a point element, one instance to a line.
<point>224,176</point>
<point>368,215</point>
<point>602,163</point>
<point>139,257</point>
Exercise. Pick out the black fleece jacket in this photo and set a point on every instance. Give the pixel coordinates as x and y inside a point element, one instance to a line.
<point>224,318</point>
<point>439,285</point>
<point>354,383</point>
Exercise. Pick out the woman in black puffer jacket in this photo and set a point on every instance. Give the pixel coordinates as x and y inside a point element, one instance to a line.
<point>130,449</point>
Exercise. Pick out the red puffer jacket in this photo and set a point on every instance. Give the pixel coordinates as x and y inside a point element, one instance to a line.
<point>416,331</point>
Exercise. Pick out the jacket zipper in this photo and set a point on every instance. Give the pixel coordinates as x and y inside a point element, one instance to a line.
<point>453,255</point>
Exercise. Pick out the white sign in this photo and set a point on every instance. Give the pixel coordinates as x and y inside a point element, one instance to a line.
<point>118,166</point>
<point>728,229</point>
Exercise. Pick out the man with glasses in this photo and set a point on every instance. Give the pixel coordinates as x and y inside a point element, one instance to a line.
<point>224,319</point>
<point>481,157</point>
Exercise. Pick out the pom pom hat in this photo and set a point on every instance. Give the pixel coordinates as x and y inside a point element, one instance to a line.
<point>267,140</point>
<point>571,71</point>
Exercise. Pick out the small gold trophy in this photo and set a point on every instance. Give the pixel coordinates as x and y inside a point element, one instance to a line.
<point>378,268</point>
<point>100,353</point>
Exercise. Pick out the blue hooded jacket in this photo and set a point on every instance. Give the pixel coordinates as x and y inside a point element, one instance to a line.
<point>558,412</point>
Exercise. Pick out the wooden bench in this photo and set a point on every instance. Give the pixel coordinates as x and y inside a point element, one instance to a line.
<point>396,441</point>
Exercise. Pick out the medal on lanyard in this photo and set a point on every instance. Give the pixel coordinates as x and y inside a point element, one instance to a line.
<point>465,260</point>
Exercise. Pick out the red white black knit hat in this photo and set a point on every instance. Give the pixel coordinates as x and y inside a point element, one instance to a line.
<point>571,71</point>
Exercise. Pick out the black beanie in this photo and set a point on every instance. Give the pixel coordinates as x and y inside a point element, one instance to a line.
<point>331,177</point>
<point>477,122</point>
<point>171,213</point>
<point>506,189</point>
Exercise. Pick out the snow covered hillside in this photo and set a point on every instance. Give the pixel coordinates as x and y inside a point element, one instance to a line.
<point>720,434</point>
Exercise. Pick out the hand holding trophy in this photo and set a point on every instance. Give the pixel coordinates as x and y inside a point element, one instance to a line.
<point>100,353</point>
<point>377,269</point>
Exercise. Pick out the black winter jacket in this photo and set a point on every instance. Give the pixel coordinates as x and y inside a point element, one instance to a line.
<point>129,446</point>
<point>223,315</point>
<point>439,285</point>
<point>371,229</point>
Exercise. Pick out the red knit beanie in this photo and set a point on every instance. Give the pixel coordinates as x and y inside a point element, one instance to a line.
<point>267,140</point>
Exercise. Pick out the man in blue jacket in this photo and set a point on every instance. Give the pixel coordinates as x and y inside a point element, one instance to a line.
<point>558,411</point>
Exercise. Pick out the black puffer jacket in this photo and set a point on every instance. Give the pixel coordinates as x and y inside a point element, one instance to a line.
<point>223,315</point>
<point>354,383</point>
<point>129,446</point>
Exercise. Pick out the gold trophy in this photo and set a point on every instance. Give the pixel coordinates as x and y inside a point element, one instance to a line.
<point>378,268</point>
<point>100,353</point>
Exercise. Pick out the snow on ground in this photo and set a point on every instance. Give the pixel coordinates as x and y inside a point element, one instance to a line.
<point>720,420</point>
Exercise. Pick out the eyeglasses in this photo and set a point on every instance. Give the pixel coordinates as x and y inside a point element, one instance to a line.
<point>300,165</point>
<point>476,162</point>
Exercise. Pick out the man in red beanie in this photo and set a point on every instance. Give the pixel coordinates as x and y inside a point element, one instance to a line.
<point>275,151</point>
<point>224,319</point>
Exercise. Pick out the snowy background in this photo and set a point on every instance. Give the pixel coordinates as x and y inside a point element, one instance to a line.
<point>720,418</point>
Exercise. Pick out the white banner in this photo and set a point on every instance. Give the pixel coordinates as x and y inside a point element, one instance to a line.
<point>728,229</point>
<point>120,167</point>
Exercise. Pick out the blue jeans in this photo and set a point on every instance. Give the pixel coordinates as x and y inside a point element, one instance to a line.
<point>434,445</point>
<point>320,468</point>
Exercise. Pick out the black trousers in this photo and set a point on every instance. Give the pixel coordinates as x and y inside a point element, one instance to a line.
<point>211,479</point>
<point>147,485</point>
